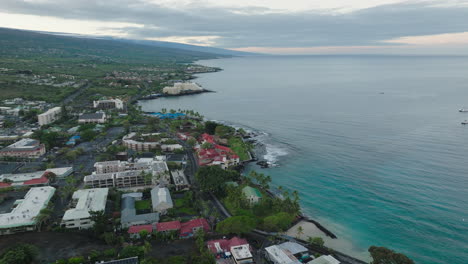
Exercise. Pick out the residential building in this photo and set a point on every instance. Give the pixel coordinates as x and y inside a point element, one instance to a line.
<point>49,116</point>
<point>109,166</point>
<point>23,217</point>
<point>167,227</point>
<point>109,104</point>
<point>130,142</point>
<point>253,195</point>
<point>189,229</point>
<point>161,200</point>
<point>236,248</point>
<point>83,202</point>
<point>288,253</point>
<point>216,155</point>
<point>181,88</point>
<point>324,259</point>
<point>97,118</point>
<point>134,231</point>
<point>38,178</point>
<point>171,147</point>
<point>129,216</point>
<point>180,180</point>
<point>25,148</point>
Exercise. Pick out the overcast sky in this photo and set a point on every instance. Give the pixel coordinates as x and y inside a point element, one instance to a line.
<point>271,26</point>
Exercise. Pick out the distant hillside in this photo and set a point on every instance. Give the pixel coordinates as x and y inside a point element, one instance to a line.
<point>27,44</point>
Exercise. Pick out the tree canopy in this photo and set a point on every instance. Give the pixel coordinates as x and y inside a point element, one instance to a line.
<point>19,254</point>
<point>236,225</point>
<point>383,255</point>
<point>212,178</point>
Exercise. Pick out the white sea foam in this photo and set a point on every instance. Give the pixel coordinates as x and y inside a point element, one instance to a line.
<point>273,153</point>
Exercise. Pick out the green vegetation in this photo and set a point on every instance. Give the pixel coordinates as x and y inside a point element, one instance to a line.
<point>318,241</point>
<point>382,255</point>
<point>143,205</point>
<point>236,225</point>
<point>240,147</point>
<point>184,205</point>
<point>212,179</point>
<point>19,254</point>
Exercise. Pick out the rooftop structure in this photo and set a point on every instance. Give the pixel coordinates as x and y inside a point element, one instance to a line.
<point>288,253</point>
<point>325,259</point>
<point>129,216</point>
<point>25,148</point>
<point>180,180</point>
<point>130,142</point>
<point>86,201</point>
<point>50,116</point>
<point>98,118</point>
<point>38,178</point>
<point>217,155</point>
<point>168,226</point>
<point>181,88</point>
<point>109,104</point>
<point>23,216</point>
<point>188,229</point>
<point>161,199</point>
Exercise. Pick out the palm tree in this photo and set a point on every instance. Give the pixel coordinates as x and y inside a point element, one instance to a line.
<point>300,231</point>
<point>43,216</point>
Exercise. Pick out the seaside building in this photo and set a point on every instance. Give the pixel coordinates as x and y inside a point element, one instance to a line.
<point>325,259</point>
<point>109,104</point>
<point>25,148</point>
<point>181,88</point>
<point>252,194</point>
<point>49,116</point>
<point>23,217</point>
<point>129,216</point>
<point>161,200</point>
<point>96,118</point>
<point>216,155</point>
<point>235,248</point>
<point>83,202</point>
<point>288,253</point>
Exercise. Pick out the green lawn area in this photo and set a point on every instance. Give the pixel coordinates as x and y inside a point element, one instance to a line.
<point>239,147</point>
<point>143,205</point>
<point>180,207</point>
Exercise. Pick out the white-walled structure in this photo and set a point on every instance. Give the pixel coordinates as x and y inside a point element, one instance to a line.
<point>109,104</point>
<point>85,201</point>
<point>180,88</point>
<point>25,148</point>
<point>23,216</point>
<point>97,118</point>
<point>50,116</point>
<point>161,199</point>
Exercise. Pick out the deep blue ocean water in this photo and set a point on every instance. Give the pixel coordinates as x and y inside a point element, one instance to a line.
<point>373,144</point>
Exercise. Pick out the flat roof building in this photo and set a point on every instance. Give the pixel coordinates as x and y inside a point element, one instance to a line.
<point>98,118</point>
<point>180,180</point>
<point>84,202</point>
<point>109,104</point>
<point>25,148</point>
<point>129,216</point>
<point>49,116</point>
<point>23,217</point>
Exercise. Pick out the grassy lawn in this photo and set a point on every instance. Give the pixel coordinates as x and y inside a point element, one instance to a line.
<point>143,205</point>
<point>239,147</point>
<point>181,208</point>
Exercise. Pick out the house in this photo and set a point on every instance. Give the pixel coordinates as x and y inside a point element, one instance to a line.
<point>134,231</point>
<point>25,148</point>
<point>161,200</point>
<point>188,229</point>
<point>129,216</point>
<point>97,118</point>
<point>288,253</point>
<point>50,116</point>
<point>237,248</point>
<point>216,154</point>
<point>168,226</point>
<point>83,202</point>
<point>325,259</point>
<point>24,216</point>
<point>253,195</point>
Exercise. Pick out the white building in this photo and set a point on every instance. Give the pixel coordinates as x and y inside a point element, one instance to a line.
<point>50,116</point>
<point>84,202</point>
<point>161,200</point>
<point>25,148</point>
<point>171,147</point>
<point>242,254</point>
<point>325,259</point>
<point>23,216</point>
<point>97,118</point>
<point>130,142</point>
<point>109,166</point>
<point>109,104</point>
<point>180,180</point>
<point>287,253</point>
<point>180,88</point>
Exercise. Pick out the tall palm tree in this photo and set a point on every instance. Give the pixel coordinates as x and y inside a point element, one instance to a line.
<point>43,216</point>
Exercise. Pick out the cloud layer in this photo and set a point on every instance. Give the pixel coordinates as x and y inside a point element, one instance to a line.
<point>243,27</point>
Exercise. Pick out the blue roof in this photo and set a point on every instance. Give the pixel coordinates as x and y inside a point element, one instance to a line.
<point>75,137</point>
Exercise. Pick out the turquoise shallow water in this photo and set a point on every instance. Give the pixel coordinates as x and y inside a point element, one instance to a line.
<point>373,144</point>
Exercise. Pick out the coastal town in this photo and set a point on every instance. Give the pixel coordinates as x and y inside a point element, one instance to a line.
<point>87,177</point>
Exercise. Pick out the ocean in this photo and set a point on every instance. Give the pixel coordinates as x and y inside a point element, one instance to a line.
<point>373,144</point>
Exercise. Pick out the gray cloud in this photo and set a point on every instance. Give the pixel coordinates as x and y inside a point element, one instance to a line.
<point>244,27</point>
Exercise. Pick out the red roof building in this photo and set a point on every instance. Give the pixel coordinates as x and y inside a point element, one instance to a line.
<point>168,226</point>
<point>137,228</point>
<point>4,185</point>
<point>224,245</point>
<point>218,155</point>
<point>43,180</point>
<point>189,228</point>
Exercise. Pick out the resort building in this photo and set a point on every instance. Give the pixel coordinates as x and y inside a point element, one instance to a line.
<point>288,253</point>
<point>121,174</point>
<point>325,259</point>
<point>129,216</point>
<point>50,116</point>
<point>25,148</point>
<point>38,178</point>
<point>253,195</point>
<point>171,147</point>
<point>180,180</point>
<point>216,155</point>
<point>141,145</point>
<point>83,202</point>
<point>23,217</point>
<point>181,88</point>
<point>89,118</point>
<point>235,248</point>
<point>109,104</point>
<point>161,200</point>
